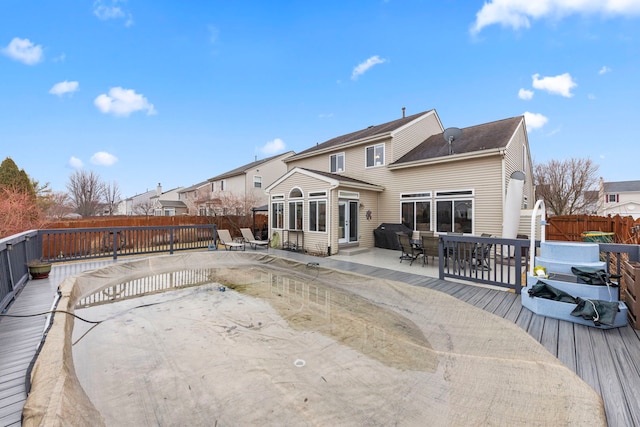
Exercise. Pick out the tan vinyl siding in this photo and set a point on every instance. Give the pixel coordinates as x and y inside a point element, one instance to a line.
<point>408,137</point>
<point>482,175</point>
<point>314,242</point>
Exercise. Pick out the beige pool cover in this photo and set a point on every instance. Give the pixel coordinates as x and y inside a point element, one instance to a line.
<point>288,344</point>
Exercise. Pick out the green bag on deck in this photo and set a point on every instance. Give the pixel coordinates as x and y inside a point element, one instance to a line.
<point>593,276</point>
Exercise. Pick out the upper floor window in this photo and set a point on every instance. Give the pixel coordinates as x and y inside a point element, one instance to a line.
<point>257,181</point>
<point>222,184</point>
<point>375,155</point>
<point>337,162</point>
<point>612,198</point>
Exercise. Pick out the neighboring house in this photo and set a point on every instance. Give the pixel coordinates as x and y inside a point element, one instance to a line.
<point>237,191</point>
<point>619,198</point>
<point>336,193</point>
<point>197,198</point>
<point>140,204</point>
<point>168,203</point>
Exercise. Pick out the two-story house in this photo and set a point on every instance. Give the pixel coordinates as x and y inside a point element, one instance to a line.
<point>140,204</point>
<point>336,193</point>
<point>198,199</point>
<point>239,190</point>
<point>168,203</point>
<point>619,198</point>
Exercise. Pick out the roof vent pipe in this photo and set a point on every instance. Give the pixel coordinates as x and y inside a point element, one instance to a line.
<point>403,110</point>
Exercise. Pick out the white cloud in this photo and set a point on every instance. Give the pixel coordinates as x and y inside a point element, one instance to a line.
<point>123,102</point>
<point>604,70</point>
<point>75,163</point>
<point>516,14</point>
<point>103,158</point>
<point>525,94</point>
<point>64,87</point>
<point>273,147</point>
<point>363,67</point>
<point>534,120</point>
<point>109,9</point>
<point>558,85</point>
<point>325,115</point>
<point>214,32</point>
<point>23,50</point>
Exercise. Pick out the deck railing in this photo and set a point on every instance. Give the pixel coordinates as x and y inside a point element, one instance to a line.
<point>503,262</point>
<point>487,260</point>
<point>77,244</point>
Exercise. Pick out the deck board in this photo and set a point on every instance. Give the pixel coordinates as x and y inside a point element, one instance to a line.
<point>607,360</point>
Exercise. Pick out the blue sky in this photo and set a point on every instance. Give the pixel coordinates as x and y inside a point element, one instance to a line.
<point>148,91</point>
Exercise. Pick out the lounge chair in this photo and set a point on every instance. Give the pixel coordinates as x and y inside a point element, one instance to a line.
<point>251,240</point>
<point>229,244</point>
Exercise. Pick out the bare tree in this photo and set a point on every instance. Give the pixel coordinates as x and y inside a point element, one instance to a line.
<point>112,197</point>
<point>59,205</point>
<point>86,191</point>
<point>228,203</point>
<point>143,208</point>
<point>565,185</point>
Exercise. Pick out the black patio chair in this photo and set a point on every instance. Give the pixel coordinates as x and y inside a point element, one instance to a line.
<point>482,254</point>
<point>410,251</point>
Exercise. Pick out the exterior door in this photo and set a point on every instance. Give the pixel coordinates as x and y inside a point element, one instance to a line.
<point>347,221</point>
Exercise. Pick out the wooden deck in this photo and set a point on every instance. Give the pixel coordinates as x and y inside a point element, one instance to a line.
<point>607,360</point>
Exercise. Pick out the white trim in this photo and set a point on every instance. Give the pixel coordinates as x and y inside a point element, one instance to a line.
<point>378,163</point>
<point>338,155</point>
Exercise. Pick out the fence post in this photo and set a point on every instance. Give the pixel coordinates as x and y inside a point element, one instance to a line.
<point>171,240</point>
<point>114,235</point>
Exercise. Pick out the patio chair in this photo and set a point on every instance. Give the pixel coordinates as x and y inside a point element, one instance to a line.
<point>252,240</point>
<point>482,254</point>
<point>429,246</point>
<point>410,251</point>
<point>230,244</point>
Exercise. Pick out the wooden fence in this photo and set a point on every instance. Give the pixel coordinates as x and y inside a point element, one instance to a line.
<point>570,227</point>
<point>233,223</point>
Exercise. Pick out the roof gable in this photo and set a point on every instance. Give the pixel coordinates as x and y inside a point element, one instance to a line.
<point>362,134</point>
<point>332,179</point>
<point>487,136</point>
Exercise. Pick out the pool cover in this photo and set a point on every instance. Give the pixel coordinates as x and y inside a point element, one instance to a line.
<point>223,338</point>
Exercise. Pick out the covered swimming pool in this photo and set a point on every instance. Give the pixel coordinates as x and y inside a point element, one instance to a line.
<point>220,338</point>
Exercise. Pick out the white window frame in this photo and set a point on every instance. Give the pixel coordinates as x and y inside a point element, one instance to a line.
<point>377,156</point>
<point>454,196</point>
<point>295,209</point>
<point>257,181</point>
<point>314,211</point>
<point>413,198</point>
<point>277,213</point>
<point>336,163</point>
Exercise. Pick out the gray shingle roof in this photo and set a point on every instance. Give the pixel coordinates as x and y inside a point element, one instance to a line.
<point>368,132</point>
<point>172,204</point>
<point>243,168</point>
<point>621,186</point>
<point>486,136</point>
<point>340,177</point>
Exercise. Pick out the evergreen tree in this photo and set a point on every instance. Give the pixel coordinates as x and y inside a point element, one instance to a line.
<point>15,179</point>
